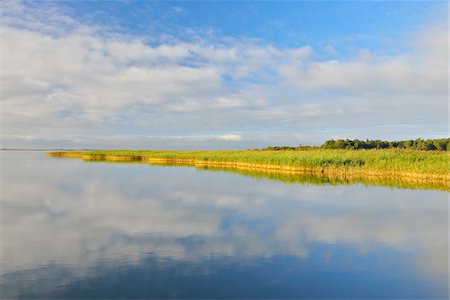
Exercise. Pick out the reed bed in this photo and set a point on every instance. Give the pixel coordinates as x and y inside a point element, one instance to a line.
<point>392,164</point>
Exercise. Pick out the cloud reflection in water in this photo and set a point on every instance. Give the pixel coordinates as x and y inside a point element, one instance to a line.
<point>92,220</point>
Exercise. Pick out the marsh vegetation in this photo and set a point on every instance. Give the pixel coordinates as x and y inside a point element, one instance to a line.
<point>402,165</point>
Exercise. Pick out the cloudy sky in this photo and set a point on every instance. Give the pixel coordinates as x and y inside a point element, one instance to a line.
<point>215,75</point>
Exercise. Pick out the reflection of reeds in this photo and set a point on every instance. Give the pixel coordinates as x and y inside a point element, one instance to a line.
<point>397,168</point>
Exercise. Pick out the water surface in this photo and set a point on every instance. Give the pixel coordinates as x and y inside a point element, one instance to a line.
<point>72,229</point>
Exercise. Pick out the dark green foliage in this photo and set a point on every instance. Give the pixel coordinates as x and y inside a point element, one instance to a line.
<point>418,144</point>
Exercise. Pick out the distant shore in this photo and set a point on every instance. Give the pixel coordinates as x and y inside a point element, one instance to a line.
<point>404,166</point>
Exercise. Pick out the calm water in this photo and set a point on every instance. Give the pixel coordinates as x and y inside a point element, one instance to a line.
<point>72,229</point>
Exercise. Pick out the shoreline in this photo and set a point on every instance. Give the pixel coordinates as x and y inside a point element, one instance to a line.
<point>343,174</point>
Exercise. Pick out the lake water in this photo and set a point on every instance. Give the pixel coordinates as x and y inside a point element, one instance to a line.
<point>73,229</point>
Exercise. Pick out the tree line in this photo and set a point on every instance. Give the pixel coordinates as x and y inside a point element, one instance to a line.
<point>417,144</point>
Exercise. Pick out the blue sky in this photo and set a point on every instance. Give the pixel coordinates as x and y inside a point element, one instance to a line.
<point>349,26</point>
<point>231,74</point>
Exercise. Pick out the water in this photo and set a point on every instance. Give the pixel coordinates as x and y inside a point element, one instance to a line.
<point>72,229</point>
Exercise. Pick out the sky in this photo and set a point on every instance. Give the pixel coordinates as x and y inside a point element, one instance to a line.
<point>220,74</point>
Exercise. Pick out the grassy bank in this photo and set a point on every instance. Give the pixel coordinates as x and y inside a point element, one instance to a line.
<point>400,165</point>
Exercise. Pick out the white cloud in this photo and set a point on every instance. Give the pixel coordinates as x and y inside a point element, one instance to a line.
<point>66,80</point>
<point>231,137</point>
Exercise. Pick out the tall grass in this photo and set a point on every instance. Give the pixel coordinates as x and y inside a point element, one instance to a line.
<point>392,161</point>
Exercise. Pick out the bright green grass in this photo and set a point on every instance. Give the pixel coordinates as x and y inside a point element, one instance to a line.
<point>391,160</point>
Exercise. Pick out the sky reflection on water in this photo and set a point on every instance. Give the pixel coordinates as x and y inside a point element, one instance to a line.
<point>72,229</point>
